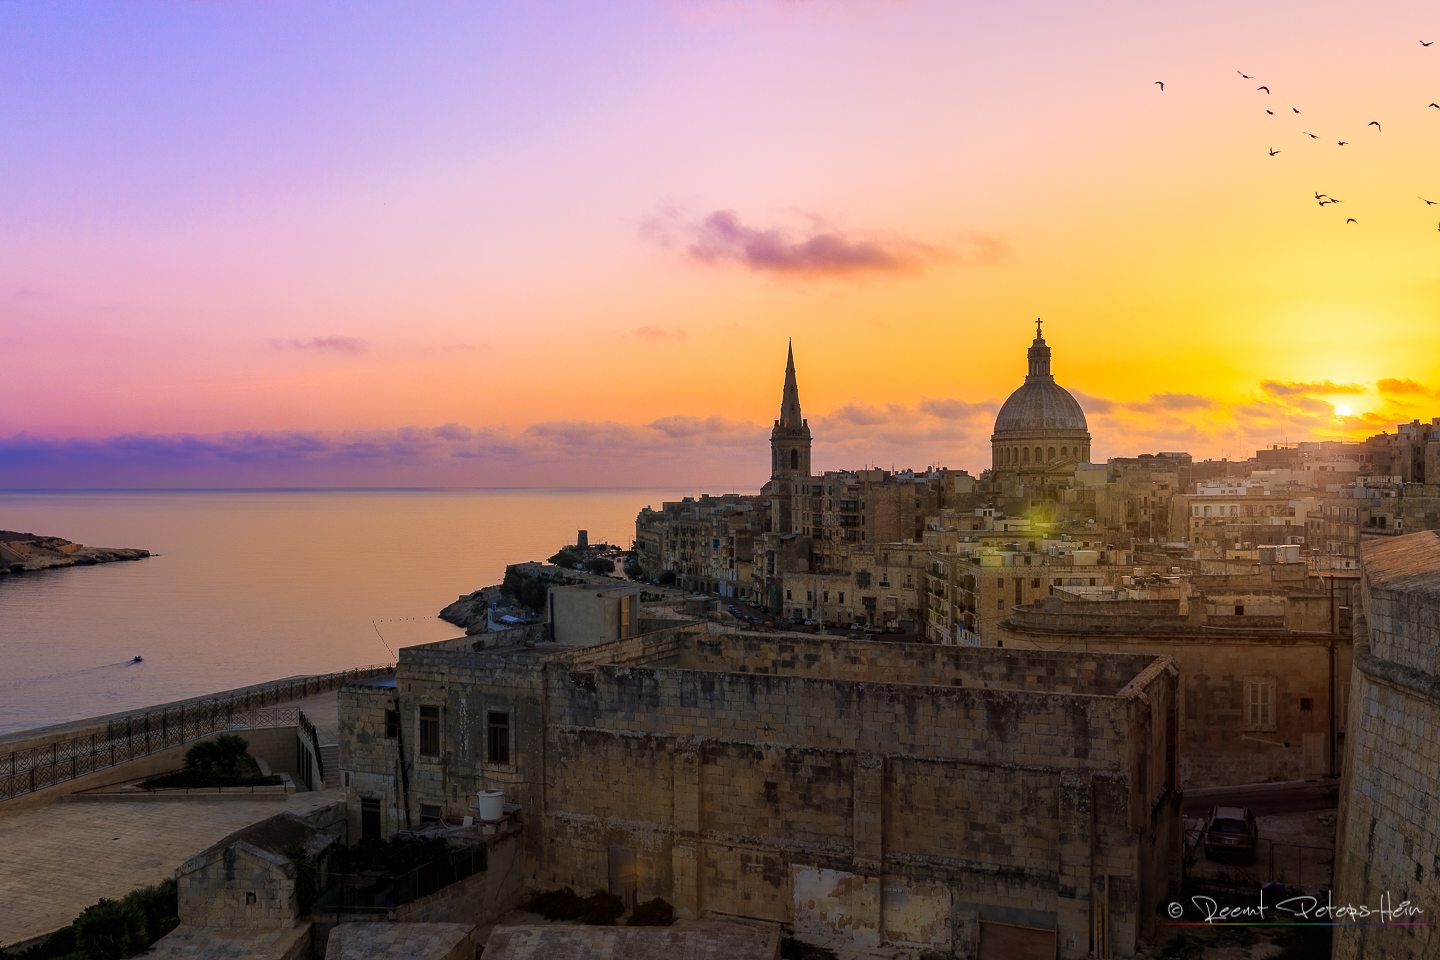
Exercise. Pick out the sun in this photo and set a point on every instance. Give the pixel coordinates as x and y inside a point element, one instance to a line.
<point>1341,410</point>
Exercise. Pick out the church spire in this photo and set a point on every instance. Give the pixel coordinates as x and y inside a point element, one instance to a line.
<point>790,418</point>
<point>1039,355</point>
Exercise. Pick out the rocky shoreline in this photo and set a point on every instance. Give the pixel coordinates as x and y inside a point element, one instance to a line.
<point>28,552</point>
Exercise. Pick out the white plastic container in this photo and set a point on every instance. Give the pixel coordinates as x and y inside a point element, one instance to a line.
<point>490,805</point>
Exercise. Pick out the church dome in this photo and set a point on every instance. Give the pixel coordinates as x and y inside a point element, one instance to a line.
<point>1041,426</point>
<point>1040,406</point>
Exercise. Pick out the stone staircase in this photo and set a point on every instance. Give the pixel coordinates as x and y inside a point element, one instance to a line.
<point>330,762</point>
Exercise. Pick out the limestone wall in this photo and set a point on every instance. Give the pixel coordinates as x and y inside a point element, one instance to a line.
<point>237,890</point>
<point>939,722</point>
<point>888,662</point>
<point>1217,743</point>
<point>1388,837</point>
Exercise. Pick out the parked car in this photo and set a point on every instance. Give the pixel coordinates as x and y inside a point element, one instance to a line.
<point>1231,834</point>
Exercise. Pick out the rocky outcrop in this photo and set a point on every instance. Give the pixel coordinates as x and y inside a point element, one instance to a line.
<point>23,552</point>
<point>469,611</point>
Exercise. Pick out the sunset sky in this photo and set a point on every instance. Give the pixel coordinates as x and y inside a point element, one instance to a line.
<point>564,244</point>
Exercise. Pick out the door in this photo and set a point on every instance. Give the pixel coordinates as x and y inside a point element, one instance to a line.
<point>369,819</point>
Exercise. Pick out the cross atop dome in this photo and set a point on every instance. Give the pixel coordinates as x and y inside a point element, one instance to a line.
<point>1039,355</point>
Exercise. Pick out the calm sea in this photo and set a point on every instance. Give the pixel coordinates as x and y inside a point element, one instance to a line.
<point>250,586</point>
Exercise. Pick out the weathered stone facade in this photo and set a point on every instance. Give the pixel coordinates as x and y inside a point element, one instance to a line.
<point>247,881</point>
<point>857,792</point>
<point>1388,837</point>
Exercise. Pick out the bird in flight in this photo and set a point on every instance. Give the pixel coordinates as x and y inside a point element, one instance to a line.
<point>1312,136</point>
<point>1271,112</point>
<point>1351,220</point>
<point>1436,105</point>
<point>1341,143</point>
<point>1266,89</point>
<point>1430,202</point>
<point>1245,75</point>
<point>1160,84</point>
<point>1425,43</point>
<point>1376,125</point>
<point>1273,151</point>
<point>1296,109</point>
<point>1319,195</point>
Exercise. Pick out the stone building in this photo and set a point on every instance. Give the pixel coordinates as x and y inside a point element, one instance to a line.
<point>1388,835</point>
<point>1263,673</point>
<point>980,576</point>
<point>989,803</point>
<point>242,897</point>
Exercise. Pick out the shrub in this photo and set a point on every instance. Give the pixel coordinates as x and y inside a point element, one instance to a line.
<point>666,579</point>
<point>566,559</point>
<point>653,913</point>
<point>59,944</point>
<point>600,565</point>
<point>159,905</point>
<point>602,909</point>
<point>562,904</point>
<point>110,930</point>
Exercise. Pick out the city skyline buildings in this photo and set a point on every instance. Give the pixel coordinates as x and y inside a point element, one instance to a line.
<point>554,245</point>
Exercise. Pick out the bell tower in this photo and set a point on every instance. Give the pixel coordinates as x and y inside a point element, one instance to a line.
<point>789,447</point>
<point>790,437</point>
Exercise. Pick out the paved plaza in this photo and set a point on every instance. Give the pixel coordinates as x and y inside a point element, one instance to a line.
<point>57,859</point>
<point>60,858</point>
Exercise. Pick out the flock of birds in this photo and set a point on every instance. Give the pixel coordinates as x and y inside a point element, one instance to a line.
<point>1324,199</point>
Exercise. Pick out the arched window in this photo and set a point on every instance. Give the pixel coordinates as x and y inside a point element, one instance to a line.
<point>1038,454</point>
<point>1064,451</point>
<point>1026,456</point>
<point>794,459</point>
<point>1052,454</point>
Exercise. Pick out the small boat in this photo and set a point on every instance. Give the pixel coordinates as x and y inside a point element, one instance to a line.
<point>137,659</point>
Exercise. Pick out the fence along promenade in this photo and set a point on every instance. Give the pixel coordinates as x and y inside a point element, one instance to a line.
<point>110,741</point>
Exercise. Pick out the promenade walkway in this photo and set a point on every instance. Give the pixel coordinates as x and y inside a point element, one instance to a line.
<point>57,859</point>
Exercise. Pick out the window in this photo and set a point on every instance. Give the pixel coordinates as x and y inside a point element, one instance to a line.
<point>787,594</point>
<point>1035,583</point>
<point>1260,703</point>
<point>842,598</point>
<point>392,724</point>
<point>1306,703</point>
<point>429,813</point>
<point>369,818</point>
<point>429,731</point>
<point>497,741</point>
<point>1000,604</point>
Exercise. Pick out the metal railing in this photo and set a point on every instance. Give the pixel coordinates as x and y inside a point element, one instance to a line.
<point>312,737</point>
<point>144,732</point>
